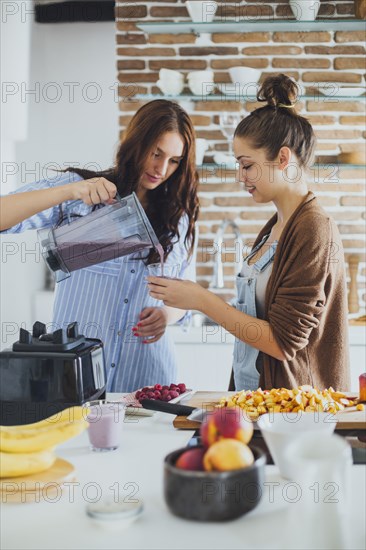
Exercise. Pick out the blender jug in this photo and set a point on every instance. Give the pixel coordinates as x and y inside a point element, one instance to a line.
<point>107,233</point>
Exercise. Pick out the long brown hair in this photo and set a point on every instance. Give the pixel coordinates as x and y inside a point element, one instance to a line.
<point>178,194</point>
<point>277,124</point>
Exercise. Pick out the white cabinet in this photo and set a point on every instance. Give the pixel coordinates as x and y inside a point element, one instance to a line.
<point>204,356</point>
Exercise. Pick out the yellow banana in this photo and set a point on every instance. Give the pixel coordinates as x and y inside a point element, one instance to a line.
<point>21,439</point>
<point>13,465</point>
<point>67,415</point>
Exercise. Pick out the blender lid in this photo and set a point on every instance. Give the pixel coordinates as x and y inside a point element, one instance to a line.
<point>40,340</point>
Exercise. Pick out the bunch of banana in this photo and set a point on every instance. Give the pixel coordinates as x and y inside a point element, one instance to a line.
<point>24,464</point>
<point>28,449</point>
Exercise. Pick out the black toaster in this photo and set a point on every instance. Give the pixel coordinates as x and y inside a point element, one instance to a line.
<point>44,373</point>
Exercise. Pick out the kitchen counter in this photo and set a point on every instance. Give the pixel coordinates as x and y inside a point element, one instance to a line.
<point>136,468</point>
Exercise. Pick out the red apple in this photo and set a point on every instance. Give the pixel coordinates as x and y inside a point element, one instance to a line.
<point>226,423</point>
<point>191,459</point>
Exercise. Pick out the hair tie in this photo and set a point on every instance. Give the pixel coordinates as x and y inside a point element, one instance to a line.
<point>292,106</point>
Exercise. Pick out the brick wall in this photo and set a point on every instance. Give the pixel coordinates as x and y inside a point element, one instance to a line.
<point>312,58</point>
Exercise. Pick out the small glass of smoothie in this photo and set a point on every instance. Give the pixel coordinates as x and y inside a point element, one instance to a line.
<point>105,420</point>
<point>168,271</point>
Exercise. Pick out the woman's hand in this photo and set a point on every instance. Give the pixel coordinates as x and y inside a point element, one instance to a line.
<point>93,191</point>
<point>177,293</point>
<point>152,324</point>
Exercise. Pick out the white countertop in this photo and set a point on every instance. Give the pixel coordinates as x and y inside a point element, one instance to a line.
<point>137,469</point>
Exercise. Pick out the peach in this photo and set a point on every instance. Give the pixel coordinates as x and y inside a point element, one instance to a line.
<point>227,454</point>
<point>227,422</point>
<point>191,459</point>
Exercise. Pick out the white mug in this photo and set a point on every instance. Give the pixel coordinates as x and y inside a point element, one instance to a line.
<point>170,82</point>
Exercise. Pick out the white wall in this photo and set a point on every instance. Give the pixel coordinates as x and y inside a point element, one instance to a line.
<point>72,120</point>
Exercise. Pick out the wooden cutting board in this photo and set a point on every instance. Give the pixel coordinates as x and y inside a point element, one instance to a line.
<point>46,485</point>
<point>348,419</point>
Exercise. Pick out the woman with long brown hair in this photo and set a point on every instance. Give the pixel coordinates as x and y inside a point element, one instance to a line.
<point>110,301</point>
<point>290,317</point>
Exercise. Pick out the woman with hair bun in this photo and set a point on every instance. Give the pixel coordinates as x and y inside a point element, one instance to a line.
<point>290,317</point>
<point>110,300</point>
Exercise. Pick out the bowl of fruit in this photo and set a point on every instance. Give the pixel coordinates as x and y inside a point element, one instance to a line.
<point>169,393</point>
<point>158,392</point>
<point>220,480</point>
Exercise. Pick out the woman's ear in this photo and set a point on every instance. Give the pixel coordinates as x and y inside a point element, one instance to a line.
<point>284,157</point>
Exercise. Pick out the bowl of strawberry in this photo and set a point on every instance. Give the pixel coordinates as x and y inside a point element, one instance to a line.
<point>161,393</point>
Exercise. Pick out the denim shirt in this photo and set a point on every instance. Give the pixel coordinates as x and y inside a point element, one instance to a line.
<point>246,375</point>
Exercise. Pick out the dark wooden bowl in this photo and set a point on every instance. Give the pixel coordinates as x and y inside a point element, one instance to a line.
<point>213,496</point>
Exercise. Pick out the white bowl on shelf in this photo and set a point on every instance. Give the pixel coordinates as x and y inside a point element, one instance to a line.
<point>201,82</point>
<point>170,82</point>
<point>225,159</point>
<point>244,82</point>
<point>334,91</point>
<point>305,10</point>
<point>201,12</point>
<point>244,75</point>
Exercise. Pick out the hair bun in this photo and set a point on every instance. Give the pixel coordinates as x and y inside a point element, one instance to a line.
<point>279,90</point>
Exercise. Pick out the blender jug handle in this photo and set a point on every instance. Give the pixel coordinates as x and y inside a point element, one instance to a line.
<point>67,214</point>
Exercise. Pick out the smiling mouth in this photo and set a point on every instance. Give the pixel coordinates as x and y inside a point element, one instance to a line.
<point>153,178</point>
<point>250,189</point>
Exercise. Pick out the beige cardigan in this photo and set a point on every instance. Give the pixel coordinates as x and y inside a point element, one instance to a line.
<point>306,303</point>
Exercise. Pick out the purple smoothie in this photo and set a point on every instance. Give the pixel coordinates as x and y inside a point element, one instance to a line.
<point>164,271</point>
<point>105,425</point>
<point>160,251</point>
<point>76,255</point>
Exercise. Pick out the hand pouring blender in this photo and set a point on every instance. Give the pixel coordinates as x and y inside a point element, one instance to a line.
<point>107,233</point>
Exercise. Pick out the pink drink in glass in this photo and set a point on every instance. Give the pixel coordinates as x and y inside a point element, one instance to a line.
<point>105,425</point>
<point>166,271</point>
